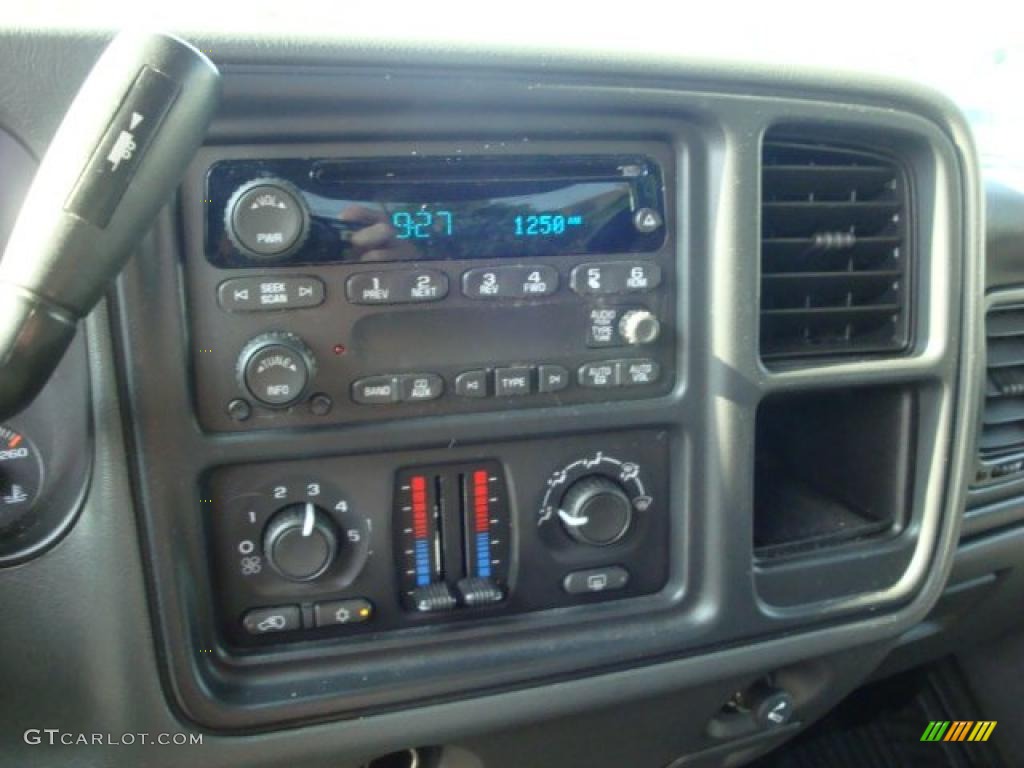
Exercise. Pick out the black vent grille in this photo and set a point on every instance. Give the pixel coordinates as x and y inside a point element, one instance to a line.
<point>834,247</point>
<point>1002,430</point>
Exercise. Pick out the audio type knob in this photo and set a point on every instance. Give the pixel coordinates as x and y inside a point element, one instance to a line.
<point>276,368</point>
<point>267,218</point>
<point>639,326</point>
<point>300,541</point>
<point>596,510</point>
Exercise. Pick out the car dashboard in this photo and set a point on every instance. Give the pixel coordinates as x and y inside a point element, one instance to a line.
<point>515,410</point>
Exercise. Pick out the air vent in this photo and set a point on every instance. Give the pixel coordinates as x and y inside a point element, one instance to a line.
<point>834,247</point>
<point>1001,443</point>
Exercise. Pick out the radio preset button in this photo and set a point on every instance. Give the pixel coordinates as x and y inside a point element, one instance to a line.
<point>510,282</point>
<point>615,277</point>
<point>396,287</point>
<point>471,384</point>
<point>416,387</point>
<point>552,378</point>
<point>512,381</point>
<point>258,294</point>
<point>601,375</point>
<point>266,218</point>
<point>376,390</point>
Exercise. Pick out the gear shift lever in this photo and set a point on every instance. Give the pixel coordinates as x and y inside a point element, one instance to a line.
<point>117,156</point>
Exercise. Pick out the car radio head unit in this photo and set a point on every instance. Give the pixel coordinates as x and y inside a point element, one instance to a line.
<point>327,285</point>
<point>320,211</point>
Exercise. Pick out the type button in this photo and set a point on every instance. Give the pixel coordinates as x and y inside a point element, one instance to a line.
<point>512,381</point>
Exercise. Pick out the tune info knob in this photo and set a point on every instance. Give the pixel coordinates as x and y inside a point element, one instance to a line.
<point>639,326</point>
<point>300,541</point>
<point>276,368</point>
<point>596,511</point>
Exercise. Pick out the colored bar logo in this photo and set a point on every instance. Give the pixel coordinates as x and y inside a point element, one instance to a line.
<point>959,730</point>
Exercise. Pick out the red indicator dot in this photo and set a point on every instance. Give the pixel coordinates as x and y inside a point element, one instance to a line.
<point>339,349</point>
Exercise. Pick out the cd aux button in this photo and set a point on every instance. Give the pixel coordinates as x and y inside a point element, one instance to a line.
<point>417,387</point>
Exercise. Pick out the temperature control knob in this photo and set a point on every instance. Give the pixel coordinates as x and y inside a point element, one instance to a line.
<point>267,219</point>
<point>276,368</point>
<point>300,541</point>
<point>639,326</point>
<point>596,510</point>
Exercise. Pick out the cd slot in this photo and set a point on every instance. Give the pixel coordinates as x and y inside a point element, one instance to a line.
<point>476,169</point>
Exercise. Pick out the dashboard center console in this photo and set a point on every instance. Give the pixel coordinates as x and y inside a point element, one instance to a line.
<point>537,383</point>
<point>328,286</point>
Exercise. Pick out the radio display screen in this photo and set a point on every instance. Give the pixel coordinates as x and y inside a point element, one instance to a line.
<point>452,208</point>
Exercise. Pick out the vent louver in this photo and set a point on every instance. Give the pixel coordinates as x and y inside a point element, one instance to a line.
<point>834,247</point>
<point>1002,430</point>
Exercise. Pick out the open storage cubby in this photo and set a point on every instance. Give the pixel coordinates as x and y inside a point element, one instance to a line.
<point>831,467</point>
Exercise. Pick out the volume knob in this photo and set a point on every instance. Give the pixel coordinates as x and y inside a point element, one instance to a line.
<point>267,219</point>
<point>275,368</point>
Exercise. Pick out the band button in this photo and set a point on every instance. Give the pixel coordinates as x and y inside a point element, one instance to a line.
<point>375,390</point>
